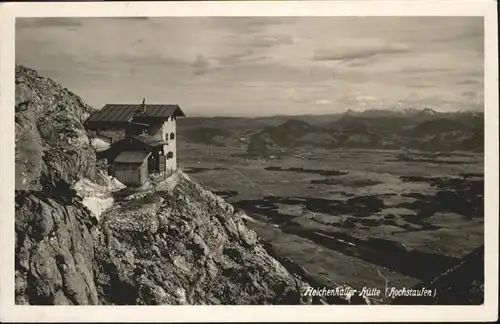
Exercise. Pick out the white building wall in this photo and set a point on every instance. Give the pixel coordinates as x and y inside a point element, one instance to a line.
<point>168,128</point>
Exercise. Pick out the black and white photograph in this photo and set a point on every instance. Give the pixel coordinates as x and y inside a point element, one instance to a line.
<point>249,160</point>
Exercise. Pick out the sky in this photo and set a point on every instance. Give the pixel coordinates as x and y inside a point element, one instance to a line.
<point>257,66</point>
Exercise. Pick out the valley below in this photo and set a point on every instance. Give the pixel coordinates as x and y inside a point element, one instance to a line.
<point>373,218</point>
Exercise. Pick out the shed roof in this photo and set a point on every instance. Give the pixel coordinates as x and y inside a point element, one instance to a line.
<point>132,157</point>
<point>150,140</point>
<point>147,141</point>
<point>119,113</point>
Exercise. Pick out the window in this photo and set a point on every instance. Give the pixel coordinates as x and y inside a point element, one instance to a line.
<point>172,136</point>
<point>170,155</point>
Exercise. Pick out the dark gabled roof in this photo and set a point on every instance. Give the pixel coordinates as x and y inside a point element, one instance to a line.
<point>146,141</point>
<point>131,157</point>
<point>120,113</point>
<point>138,125</point>
<point>150,140</point>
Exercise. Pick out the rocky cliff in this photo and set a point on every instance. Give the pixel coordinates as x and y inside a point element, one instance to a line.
<point>173,243</point>
<point>51,144</point>
<point>180,244</point>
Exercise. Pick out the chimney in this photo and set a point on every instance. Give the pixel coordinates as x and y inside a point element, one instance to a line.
<point>143,108</point>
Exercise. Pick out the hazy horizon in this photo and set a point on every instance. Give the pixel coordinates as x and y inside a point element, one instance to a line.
<point>262,66</point>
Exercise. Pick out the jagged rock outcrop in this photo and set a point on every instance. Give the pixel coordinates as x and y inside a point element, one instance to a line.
<point>54,251</point>
<point>51,143</point>
<point>54,245</point>
<point>175,243</point>
<point>181,244</point>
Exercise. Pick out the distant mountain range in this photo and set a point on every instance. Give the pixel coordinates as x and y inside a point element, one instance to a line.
<point>407,112</point>
<point>423,129</point>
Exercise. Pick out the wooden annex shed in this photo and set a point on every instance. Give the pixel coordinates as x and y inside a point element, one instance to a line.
<point>131,167</point>
<point>146,143</point>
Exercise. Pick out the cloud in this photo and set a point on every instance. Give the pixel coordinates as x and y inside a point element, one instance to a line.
<point>421,85</point>
<point>201,65</point>
<point>48,22</point>
<point>357,63</point>
<point>238,49</point>
<point>270,40</point>
<point>469,94</point>
<point>474,33</point>
<point>247,64</point>
<point>249,25</point>
<point>358,52</point>
<point>467,82</point>
<point>418,70</point>
<point>368,100</point>
<point>242,57</point>
<point>323,102</point>
<point>357,99</point>
<point>138,59</point>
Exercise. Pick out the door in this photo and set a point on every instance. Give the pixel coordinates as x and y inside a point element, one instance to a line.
<point>163,162</point>
<point>153,162</point>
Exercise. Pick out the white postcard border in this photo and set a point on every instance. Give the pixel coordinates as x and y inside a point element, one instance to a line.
<point>11,312</point>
